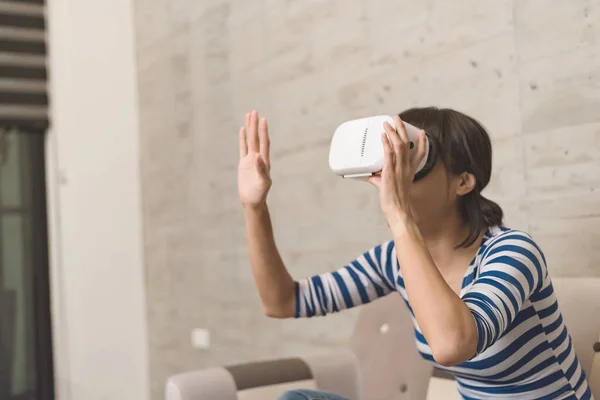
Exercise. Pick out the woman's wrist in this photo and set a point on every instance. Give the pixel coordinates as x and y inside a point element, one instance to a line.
<point>258,208</point>
<point>398,218</point>
<point>403,225</point>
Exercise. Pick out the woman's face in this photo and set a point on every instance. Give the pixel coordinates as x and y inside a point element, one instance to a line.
<point>434,196</point>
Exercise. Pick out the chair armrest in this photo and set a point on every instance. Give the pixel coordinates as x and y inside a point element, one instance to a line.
<point>210,383</point>
<point>336,371</point>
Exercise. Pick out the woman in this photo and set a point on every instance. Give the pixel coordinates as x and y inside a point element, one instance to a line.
<point>483,304</point>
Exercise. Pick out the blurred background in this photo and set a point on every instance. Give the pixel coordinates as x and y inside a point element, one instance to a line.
<point>123,257</point>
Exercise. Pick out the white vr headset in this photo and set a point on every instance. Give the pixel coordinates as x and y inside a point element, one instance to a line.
<point>356,150</point>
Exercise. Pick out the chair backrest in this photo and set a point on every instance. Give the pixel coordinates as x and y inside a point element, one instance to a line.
<point>384,343</point>
<point>579,303</point>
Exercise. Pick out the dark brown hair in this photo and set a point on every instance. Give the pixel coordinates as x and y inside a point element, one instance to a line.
<point>463,145</point>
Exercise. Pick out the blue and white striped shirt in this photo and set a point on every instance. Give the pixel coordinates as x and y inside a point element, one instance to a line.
<point>524,350</point>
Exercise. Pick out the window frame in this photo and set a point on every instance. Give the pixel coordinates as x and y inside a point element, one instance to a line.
<point>32,178</point>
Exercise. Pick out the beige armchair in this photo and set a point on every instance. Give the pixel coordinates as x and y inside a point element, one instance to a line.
<point>381,361</point>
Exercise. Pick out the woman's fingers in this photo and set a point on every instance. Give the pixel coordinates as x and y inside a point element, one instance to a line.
<point>398,144</point>
<point>400,128</point>
<point>375,180</point>
<point>392,135</point>
<point>243,143</point>
<point>256,136</point>
<point>402,158</point>
<point>420,149</point>
<point>252,131</point>
<point>388,153</point>
<point>263,135</point>
<point>247,124</point>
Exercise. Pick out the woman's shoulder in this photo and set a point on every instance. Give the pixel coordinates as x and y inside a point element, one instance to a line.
<point>495,235</point>
<point>511,242</point>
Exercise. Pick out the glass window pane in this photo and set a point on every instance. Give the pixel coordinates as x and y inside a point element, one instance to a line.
<point>17,287</point>
<point>10,177</point>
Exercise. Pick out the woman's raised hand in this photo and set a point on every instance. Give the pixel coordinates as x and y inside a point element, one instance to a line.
<point>254,179</point>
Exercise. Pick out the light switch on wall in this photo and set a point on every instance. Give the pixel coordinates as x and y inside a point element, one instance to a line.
<point>200,338</point>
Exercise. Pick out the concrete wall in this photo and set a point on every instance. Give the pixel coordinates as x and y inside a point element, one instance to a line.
<point>98,282</point>
<point>532,78</point>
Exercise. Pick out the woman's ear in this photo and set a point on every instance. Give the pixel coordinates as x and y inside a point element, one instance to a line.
<point>466,183</point>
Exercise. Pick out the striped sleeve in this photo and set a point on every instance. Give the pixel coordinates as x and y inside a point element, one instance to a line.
<point>512,268</point>
<point>368,277</point>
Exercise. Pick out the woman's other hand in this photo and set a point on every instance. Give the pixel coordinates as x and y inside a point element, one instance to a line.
<point>399,167</point>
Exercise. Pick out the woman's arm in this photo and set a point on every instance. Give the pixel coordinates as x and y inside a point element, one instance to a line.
<point>457,329</point>
<point>275,286</point>
<point>273,281</point>
<point>512,270</point>
<point>369,276</point>
<point>444,319</point>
